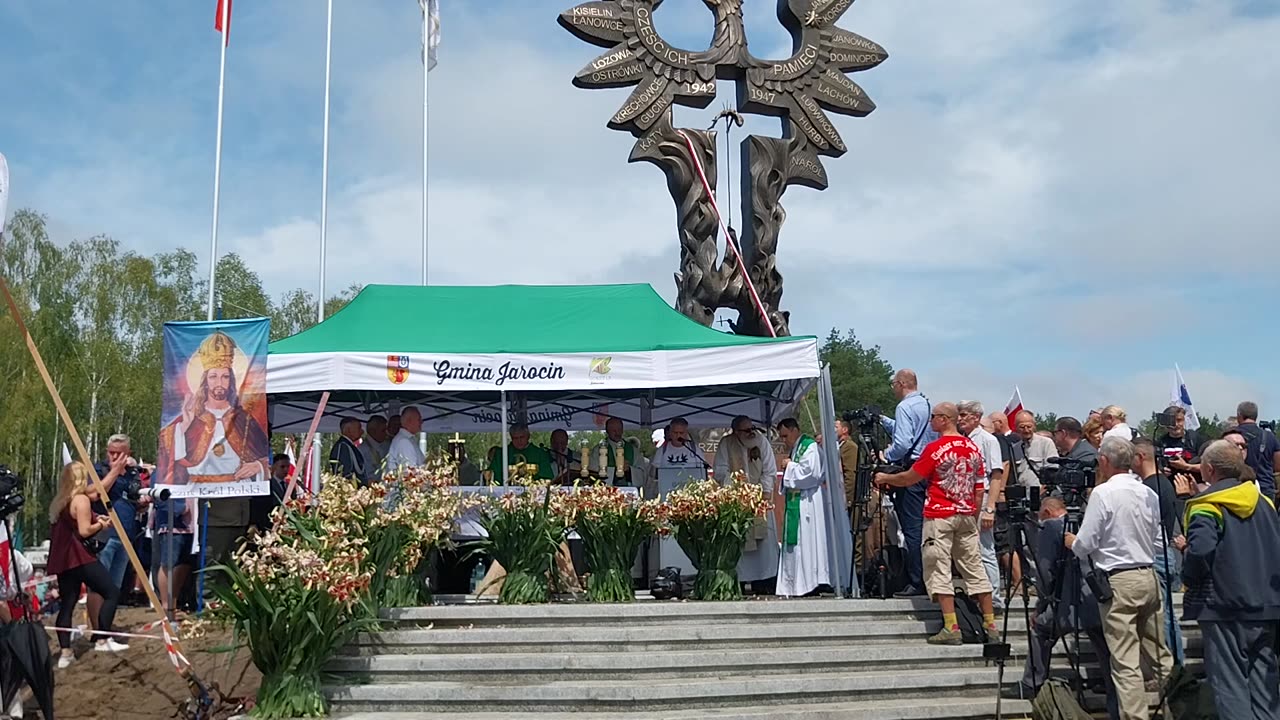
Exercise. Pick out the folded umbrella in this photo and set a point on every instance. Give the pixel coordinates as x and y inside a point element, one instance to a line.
<point>27,649</point>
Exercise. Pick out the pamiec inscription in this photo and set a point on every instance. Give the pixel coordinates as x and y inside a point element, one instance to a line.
<point>798,65</point>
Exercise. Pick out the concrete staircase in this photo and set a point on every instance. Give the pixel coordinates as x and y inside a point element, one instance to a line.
<point>813,659</point>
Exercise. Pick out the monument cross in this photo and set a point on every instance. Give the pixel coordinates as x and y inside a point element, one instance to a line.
<point>798,90</point>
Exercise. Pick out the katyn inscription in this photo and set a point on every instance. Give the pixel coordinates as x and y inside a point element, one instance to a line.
<point>799,90</point>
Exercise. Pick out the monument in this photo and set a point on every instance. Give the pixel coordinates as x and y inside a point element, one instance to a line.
<point>798,90</point>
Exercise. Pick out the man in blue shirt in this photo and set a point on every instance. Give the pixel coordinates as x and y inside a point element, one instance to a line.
<point>117,474</point>
<point>910,430</point>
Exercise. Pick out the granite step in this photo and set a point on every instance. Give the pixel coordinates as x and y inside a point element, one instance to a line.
<point>664,694</point>
<point>943,708</point>
<point>513,668</point>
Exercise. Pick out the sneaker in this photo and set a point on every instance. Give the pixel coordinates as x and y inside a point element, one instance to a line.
<point>909,592</point>
<point>65,660</point>
<point>993,636</point>
<point>110,645</point>
<point>946,636</point>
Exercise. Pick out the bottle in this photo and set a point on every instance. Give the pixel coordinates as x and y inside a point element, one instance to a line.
<point>477,576</point>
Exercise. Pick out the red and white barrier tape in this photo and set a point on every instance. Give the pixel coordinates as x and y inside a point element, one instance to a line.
<point>174,655</point>
<point>733,245</point>
<point>84,630</point>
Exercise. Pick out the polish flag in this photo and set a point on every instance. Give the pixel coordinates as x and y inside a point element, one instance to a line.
<point>1013,407</point>
<point>223,12</point>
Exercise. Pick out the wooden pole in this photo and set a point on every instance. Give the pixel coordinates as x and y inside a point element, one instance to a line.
<point>311,434</point>
<point>188,671</point>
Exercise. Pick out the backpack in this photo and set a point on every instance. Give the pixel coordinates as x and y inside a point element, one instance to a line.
<point>667,585</point>
<point>1056,701</point>
<point>895,562</point>
<point>1189,698</point>
<point>970,619</point>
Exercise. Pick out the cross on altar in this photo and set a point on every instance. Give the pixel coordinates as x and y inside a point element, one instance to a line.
<point>457,440</point>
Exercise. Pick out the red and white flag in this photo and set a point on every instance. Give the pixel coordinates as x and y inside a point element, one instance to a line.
<point>219,25</point>
<point>1013,407</point>
<point>293,459</point>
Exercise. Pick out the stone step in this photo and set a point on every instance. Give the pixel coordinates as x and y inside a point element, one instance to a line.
<point>652,612</point>
<point>645,638</point>
<point>933,708</point>
<point>511,668</point>
<point>663,694</point>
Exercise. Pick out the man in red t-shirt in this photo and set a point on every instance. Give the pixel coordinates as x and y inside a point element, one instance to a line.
<point>953,467</point>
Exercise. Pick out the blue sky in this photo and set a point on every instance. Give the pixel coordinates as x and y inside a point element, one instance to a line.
<point>1066,201</point>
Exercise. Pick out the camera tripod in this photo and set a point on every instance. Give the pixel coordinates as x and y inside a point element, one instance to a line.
<point>1001,652</point>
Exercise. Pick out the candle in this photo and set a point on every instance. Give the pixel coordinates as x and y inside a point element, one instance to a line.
<point>604,461</point>
<point>619,461</point>
<point>586,470</point>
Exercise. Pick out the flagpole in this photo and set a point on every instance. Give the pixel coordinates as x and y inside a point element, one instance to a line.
<point>426,125</point>
<point>324,164</point>
<point>217,155</point>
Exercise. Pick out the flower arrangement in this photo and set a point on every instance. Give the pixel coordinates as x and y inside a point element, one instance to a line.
<point>711,523</point>
<point>525,530</point>
<point>297,594</point>
<point>406,516</point>
<point>612,525</point>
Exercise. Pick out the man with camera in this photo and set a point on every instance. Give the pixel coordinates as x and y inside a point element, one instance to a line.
<point>1233,538</point>
<point>1068,436</point>
<point>1263,451</point>
<point>911,432</point>
<point>1117,538</point>
<point>121,477</point>
<point>1062,600</point>
<point>951,467</point>
<point>1167,539</point>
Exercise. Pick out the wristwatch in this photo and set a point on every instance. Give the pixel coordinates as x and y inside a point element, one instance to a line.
<point>988,511</point>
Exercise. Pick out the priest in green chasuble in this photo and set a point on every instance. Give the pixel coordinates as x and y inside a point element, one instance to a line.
<point>615,445</point>
<point>804,564</point>
<point>521,452</point>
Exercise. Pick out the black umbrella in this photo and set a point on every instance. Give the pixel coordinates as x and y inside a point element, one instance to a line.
<point>25,650</point>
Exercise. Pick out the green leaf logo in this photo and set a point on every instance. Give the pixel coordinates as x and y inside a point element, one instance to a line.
<point>600,366</point>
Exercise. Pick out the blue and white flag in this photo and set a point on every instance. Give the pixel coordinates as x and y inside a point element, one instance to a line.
<point>1182,399</point>
<point>431,28</point>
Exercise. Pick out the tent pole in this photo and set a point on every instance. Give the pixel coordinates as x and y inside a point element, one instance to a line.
<point>505,441</point>
<point>835,484</point>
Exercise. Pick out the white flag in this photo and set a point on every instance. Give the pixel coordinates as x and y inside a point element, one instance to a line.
<point>66,455</point>
<point>4,191</point>
<point>430,13</point>
<point>1182,399</point>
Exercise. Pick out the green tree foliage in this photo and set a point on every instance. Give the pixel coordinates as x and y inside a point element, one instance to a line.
<point>1047,421</point>
<point>97,314</point>
<point>859,376</point>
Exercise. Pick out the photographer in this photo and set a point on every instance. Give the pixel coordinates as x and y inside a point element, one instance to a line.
<point>1144,465</point>
<point>1263,451</point>
<point>910,430</point>
<point>1117,538</point>
<point>121,477</point>
<point>1068,437</point>
<point>1061,593</point>
<point>1177,443</point>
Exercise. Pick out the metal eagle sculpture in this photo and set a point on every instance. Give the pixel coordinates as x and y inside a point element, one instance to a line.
<point>799,90</point>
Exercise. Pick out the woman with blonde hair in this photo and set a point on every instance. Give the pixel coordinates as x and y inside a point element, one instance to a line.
<point>74,522</point>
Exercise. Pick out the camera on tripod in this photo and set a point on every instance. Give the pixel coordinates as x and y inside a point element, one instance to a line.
<point>1070,478</point>
<point>1021,503</point>
<point>11,498</point>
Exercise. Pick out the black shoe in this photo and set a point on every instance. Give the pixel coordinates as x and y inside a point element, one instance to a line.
<point>909,591</point>
<point>1018,692</point>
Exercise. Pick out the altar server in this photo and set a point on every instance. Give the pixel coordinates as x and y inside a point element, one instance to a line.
<point>804,564</point>
<point>750,451</point>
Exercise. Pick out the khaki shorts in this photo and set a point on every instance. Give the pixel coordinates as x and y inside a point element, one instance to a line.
<point>953,540</point>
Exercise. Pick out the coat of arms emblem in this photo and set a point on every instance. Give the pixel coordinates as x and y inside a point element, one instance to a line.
<point>397,369</point>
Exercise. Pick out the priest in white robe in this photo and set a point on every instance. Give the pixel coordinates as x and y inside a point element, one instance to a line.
<point>804,563</point>
<point>748,450</point>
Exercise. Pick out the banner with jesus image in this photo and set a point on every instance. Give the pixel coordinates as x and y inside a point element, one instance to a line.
<point>213,419</point>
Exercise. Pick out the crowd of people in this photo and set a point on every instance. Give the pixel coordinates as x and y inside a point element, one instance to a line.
<point>1123,522</point>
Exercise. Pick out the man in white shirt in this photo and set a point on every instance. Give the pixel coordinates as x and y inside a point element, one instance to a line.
<point>1036,447</point>
<point>988,494</point>
<point>404,451</point>
<point>1118,537</point>
<point>678,454</point>
<point>1113,421</point>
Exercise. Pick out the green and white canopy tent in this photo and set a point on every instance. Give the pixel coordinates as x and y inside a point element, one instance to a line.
<point>564,356</point>
<point>473,358</point>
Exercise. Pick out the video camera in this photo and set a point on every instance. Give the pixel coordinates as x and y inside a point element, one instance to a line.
<point>1021,503</point>
<point>131,481</point>
<point>1070,478</point>
<point>11,498</point>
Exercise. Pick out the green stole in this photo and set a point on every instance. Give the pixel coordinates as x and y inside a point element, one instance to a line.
<point>792,517</point>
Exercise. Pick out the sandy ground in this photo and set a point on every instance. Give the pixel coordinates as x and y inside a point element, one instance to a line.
<point>141,683</point>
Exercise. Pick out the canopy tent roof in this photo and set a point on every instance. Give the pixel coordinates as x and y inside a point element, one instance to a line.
<point>567,356</point>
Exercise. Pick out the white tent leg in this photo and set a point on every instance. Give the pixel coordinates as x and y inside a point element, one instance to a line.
<point>840,539</point>
<point>506,471</point>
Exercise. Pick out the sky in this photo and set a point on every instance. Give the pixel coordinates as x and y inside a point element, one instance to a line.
<point>1066,201</point>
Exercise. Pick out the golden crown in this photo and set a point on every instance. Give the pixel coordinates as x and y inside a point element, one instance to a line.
<point>216,352</point>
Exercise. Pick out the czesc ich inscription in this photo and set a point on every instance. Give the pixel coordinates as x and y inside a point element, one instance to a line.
<point>800,90</point>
